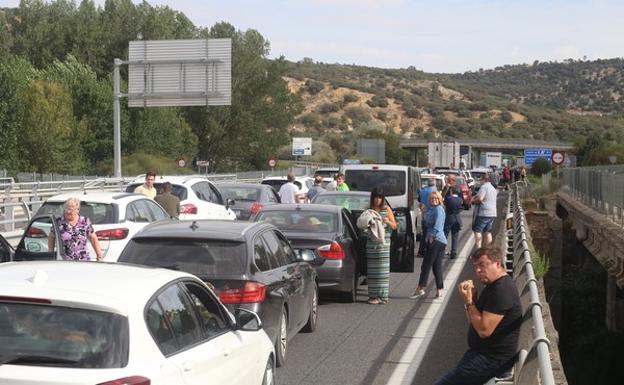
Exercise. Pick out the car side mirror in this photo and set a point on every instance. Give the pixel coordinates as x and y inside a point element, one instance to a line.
<point>247,320</point>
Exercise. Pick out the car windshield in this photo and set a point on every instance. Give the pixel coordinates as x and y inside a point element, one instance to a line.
<point>176,189</point>
<point>204,258</point>
<point>309,221</point>
<point>393,182</point>
<point>44,335</point>
<point>250,194</point>
<point>345,200</point>
<point>98,213</point>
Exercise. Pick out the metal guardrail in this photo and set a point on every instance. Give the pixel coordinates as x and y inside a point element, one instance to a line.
<point>598,187</point>
<point>533,364</point>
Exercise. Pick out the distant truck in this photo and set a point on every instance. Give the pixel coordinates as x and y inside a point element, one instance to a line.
<point>443,154</point>
<point>493,159</point>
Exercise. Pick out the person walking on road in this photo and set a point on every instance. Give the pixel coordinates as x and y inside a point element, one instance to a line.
<point>168,201</point>
<point>494,319</point>
<point>378,252</point>
<point>289,190</point>
<point>453,206</point>
<point>147,188</point>
<point>484,213</point>
<point>316,188</point>
<point>436,244</point>
<point>423,198</point>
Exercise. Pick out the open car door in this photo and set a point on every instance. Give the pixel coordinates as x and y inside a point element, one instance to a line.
<point>402,242</point>
<point>6,250</point>
<point>34,243</point>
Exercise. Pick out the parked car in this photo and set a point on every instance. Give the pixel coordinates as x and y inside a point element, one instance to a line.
<point>248,198</point>
<point>103,323</point>
<point>477,173</point>
<point>6,250</point>
<point>199,198</point>
<point>250,265</point>
<point>330,233</point>
<point>115,216</point>
<point>303,182</point>
<point>327,172</point>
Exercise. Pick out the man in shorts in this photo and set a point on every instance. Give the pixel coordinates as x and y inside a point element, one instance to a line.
<point>485,212</point>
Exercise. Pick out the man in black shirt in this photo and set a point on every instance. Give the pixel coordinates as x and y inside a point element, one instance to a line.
<point>494,317</point>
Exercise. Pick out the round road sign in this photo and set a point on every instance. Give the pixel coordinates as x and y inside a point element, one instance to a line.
<point>181,162</point>
<point>272,162</point>
<point>558,157</point>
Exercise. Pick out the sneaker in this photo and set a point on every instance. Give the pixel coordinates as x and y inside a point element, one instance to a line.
<point>439,294</point>
<point>417,294</point>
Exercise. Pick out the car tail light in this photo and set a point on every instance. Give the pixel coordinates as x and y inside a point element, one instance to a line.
<point>331,251</point>
<point>112,234</point>
<point>133,380</point>
<point>251,292</point>
<point>34,232</point>
<point>188,208</point>
<point>255,208</point>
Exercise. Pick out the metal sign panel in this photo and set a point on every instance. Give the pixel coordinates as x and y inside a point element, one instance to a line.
<point>532,154</point>
<point>302,146</point>
<point>179,73</point>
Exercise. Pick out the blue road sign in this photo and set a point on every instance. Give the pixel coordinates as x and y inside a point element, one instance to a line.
<point>532,154</point>
<point>298,151</point>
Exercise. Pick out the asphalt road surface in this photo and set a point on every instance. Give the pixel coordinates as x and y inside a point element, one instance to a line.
<point>406,341</point>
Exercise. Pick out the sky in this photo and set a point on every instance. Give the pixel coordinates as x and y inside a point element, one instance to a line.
<point>443,36</point>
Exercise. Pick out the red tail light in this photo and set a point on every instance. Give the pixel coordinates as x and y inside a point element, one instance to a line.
<point>188,208</point>
<point>332,251</point>
<point>112,234</point>
<point>251,292</point>
<point>133,380</point>
<point>255,208</point>
<point>34,232</point>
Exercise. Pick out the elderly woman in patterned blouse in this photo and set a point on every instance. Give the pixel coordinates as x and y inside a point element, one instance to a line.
<point>75,230</point>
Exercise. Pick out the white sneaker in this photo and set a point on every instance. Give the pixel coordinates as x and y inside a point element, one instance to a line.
<point>417,294</point>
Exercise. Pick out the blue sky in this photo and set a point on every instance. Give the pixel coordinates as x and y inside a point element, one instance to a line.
<point>433,36</point>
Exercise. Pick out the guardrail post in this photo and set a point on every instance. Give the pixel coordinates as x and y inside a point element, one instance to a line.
<point>8,211</point>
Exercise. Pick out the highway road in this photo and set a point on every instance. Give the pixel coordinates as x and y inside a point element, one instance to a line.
<point>406,341</point>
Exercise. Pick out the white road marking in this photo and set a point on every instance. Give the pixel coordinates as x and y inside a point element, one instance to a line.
<point>412,356</point>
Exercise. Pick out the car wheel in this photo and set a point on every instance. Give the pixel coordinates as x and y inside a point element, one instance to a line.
<point>269,373</point>
<point>313,317</point>
<point>281,343</point>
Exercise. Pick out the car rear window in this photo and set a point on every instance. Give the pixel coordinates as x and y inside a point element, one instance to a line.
<point>176,189</point>
<point>393,182</point>
<point>346,201</point>
<point>309,221</point>
<point>204,258</point>
<point>250,194</point>
<point>98,213</point>
<point>44,335</point>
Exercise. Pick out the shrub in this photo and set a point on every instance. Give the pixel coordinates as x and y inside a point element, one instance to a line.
<point>311,120</point>
<point>357,115</point>
<point>350,98</point>
<point>313,87</point>
<point>540,167</point>
<point>377,101</point>
<point>326,108</point>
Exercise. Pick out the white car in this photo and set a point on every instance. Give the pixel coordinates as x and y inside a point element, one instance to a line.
<point>303,182</point>
<point>103,323</point>
<point>116,217</point>
<point>199,198</point>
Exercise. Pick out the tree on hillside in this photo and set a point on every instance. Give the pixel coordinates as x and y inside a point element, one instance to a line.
<point>255,125</point>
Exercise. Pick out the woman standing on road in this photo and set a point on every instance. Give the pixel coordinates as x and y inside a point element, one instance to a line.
<point>75,230</point>
<point>378,253</point>
<point>436,244</point>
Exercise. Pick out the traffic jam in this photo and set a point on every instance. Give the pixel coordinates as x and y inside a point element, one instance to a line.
<point>211,292</point>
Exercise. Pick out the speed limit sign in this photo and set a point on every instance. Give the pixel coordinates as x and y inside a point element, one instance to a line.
<point>558,157</point>
<point>272,162</point>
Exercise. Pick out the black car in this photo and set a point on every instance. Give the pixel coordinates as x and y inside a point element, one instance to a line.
<point>248,198</point>
<point>401,252</point>
<point>330,232</point>
<point>6,250</point>
<point>250,265</point>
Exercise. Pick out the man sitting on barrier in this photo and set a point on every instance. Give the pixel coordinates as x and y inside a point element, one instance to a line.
<point>494,318</point>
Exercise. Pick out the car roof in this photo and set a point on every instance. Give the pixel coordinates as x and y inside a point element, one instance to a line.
<point>345,167</point>
<point>346,193</point>
<point>246,185</point>
<point>175,179</point>
<point>114,287</point>
<point>99,196</point>
<point>435,176</point>
<point>302,207</point>
<point>200,229</point>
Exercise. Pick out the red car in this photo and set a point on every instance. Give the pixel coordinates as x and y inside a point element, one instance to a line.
<point>464,190</point>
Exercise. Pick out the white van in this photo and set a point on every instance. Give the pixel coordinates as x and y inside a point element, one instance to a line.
<point>401,185</point>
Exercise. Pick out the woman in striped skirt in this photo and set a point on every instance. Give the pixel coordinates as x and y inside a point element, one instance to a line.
<point>378,253</point>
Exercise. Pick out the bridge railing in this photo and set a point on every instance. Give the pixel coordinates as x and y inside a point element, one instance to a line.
<point>533,364</point>
<point>598,187</point>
